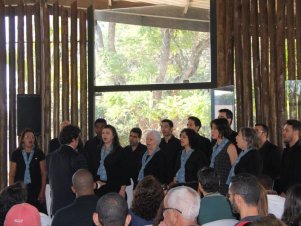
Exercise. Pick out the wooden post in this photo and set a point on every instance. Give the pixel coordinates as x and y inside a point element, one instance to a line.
<point>29,57</point>
<point>229,45</point>
<point>21,76</point>
<point>298,44</point>
<point>38,47</point>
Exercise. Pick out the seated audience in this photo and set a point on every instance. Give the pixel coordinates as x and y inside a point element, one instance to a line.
<point>224,152</point>
<point>80,211</point>
<point>292,205</point>
<point>135,151</point>
<point>249,160</point>
<point>22,214</point>
<point>111,210</point>
<point>148,196</point>
<point>275,202</point>
<point>9,196</point>
<point>203,143</point>
<point>214,206</point>
<point>244,195</point>
<point>181,207</point>
<point>153,160</point>
<point>190,160</point>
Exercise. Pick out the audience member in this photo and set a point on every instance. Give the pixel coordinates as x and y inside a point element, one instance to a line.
<point>244,195</point>
<point>292,205</point>
<point>153,160</point>
<point>170,146</point>
<point>270,153</point>
<point>9,196</point>
<point>291,158</point>
<point>204,144</point>
<point>22,214</point>
<point>181,207</point>
<point>113,174</point>
<point>148,196</point>
<point>214,206</point>
<point>190,160</point>
<point>263,209</point>
<point>275,202</point>
<point>111,210</point>
<point>135,151</point>
<point>80,211</point>
<point>249,160</point>
<point>224,152</point>
<point>267,221</point>
<point>61,165</point>
<point>27,164</point>
<point>91,150</point>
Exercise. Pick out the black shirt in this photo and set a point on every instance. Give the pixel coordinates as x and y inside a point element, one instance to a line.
<point>55,144</point>
<point>78,213</point>
<point>171,150</point>
<point>204,145</point>
<point>92,154</point>
<point>134,160</point>
<point>250,163</point>
<point>156,167</point>
<point>291,166</point>
<point>271,158</point>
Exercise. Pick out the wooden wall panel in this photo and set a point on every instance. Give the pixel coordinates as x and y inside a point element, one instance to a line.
<point>56,71</point>
<point>65,65</point>
<point>3,103</point>
<point>21,75</point>
<point>12,81</point>
<point>83,76</point>
<point>74,77</point>
<point>29,48</point>
<point>38,47</point>
<point>229,43</point>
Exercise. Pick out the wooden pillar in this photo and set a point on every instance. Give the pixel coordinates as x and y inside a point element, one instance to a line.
<point>21,75</point>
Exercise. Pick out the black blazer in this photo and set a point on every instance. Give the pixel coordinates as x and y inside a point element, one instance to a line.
<point>156,167</point>
<point>250,163</point>
<point>196,161</point>
<point>117,172</point>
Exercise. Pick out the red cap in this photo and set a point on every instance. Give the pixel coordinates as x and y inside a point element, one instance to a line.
<point>23,214</point>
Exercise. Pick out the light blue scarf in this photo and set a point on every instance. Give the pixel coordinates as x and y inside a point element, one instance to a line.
<point>180,175</point>
<point>27,178</point>
<point>101,169</point>
<point>144,162</point>
<point>217,149</point>
<point>231,173</point>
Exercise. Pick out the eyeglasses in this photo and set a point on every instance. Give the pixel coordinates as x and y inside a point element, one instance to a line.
<point>164,209</point>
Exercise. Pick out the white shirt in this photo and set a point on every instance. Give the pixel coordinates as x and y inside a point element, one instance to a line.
<point>276,205</point>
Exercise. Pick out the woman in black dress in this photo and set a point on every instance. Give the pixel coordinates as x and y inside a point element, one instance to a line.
<point>112,171</point>
<point>27,164</point>
<point>190,160</point>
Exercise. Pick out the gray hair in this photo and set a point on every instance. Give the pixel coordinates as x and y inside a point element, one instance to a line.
<point>184,199</point>
<point>250,136</point>
<point>156,134</point>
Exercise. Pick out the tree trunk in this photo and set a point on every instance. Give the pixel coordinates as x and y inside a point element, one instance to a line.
<point>111,37</point>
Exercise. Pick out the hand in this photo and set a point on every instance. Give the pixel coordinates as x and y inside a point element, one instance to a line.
<point>283,195</point>
<point>41,197</point>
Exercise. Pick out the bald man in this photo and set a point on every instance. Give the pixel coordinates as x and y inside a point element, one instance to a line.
<point>81,210</point>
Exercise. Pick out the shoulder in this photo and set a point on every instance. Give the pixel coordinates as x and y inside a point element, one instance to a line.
<point>231,148</point>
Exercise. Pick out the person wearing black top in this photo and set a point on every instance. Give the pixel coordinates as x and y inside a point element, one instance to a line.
<point>170,146</point>
<point>153,160</point>
<point>189,160</point>
<point>270,153</point>
<point>249,160</point>
<point>113,172</point>
<point>227,114</point>
<point>61,165</point>
<point>203,143</point>
<point>291,158</point>
<point>135,152</point>
<point>91,150</point>
<point>79,212</point>
<point>27,164</point>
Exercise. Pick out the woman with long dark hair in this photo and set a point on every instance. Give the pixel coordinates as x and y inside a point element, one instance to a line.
<point>112,170</point>
<point>292,205</point>
<point>27,164</point>
<point>190,160</point>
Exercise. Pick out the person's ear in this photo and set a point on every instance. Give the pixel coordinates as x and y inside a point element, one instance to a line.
<point>200,189</point>
<point>73,189</point>
<point>95,219</point>
<point>128,220</point>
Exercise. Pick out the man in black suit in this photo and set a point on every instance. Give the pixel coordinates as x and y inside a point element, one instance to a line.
<point>227,114</point>
<point>62,164</point>
<point>270,153</point>
<point>203,142</point>
<point>54,144</point>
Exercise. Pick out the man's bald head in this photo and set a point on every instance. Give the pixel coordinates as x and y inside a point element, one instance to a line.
<point>83,183</point>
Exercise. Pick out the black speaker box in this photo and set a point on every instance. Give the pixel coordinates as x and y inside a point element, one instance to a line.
<point>29,113</point>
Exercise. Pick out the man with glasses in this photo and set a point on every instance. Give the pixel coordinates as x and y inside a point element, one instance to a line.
<point>270,153</point>
<point>244,194</point>
<point>181,207</point>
